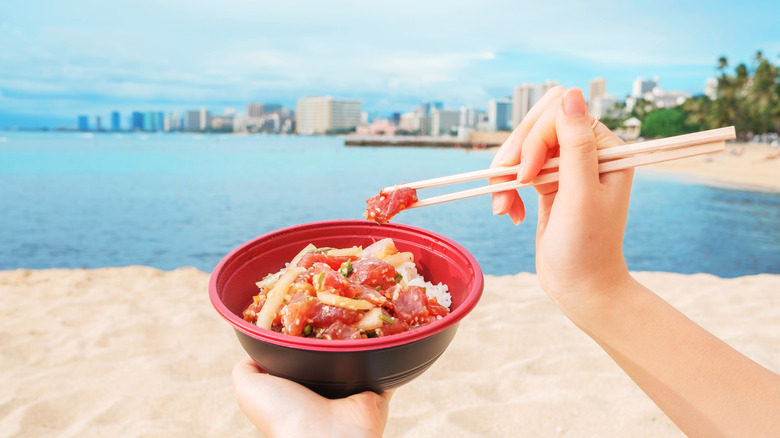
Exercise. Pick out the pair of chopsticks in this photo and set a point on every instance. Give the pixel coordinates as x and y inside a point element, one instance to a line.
<point>610,159</point>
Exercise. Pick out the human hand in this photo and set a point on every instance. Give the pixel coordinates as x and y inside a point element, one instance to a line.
<point>282,408</point>
<point>536,125</point>
<point>580,230</point>
<point>582,218</point>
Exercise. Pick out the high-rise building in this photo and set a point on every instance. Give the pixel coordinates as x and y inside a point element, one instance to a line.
<point>444,121</point>
<point>192,121</point>
<point>469,116</point>
<point>543,88</point>
<point>406,122</point>
<point>137,121</point>
<point>83,123</point>
<point>98,125</point>
<point>499,113</point>
<point>150,122</point>
<point>598,89</point>
<point>522,101</point>
<point>116,124</point>
<point>271,108</point>
<point>175,121</point>
<point>642,86</point>
<point>320,115</point>
<point>600,104</point>
<point>427,107</point>
<point>205,119</point>
<point>255,110</point>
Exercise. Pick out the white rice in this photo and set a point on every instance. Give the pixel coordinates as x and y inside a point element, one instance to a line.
<point>440,291</point>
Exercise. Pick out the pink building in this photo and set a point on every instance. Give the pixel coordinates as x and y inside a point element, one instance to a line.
<point>379,127</point>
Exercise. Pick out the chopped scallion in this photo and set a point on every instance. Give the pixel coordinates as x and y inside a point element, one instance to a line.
<point>387,319</point>
<point>326,249</point>
<point>346,268</point>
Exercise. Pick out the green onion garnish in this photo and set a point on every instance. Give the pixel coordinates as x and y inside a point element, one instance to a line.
<point>326,249</point>
<point>346,268</point>
<point>387,319</point>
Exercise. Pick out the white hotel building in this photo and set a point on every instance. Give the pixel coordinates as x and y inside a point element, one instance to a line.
<point>522,101</point>
<point>319,115</point>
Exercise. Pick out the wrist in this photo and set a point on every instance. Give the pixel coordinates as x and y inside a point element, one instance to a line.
<point>591,297</point>
<point>599,307</point>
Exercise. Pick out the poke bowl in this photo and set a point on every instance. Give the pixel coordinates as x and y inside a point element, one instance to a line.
<point>338,368</point>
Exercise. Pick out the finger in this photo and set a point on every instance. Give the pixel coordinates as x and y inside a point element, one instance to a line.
<point>544,189</point>
<point>517,212</point>
<point>579,155</point>
<point>541,139</point>
<point>503,201</point>
<point>247,366</point>
<point>509,153</point>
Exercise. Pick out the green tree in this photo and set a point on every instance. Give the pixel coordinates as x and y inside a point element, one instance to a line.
<point>697,110</point>
<point>762,98</point>
<point>749,100</point>
<point>724,109</point>
<point>641,109</point>
<point>665,122</point>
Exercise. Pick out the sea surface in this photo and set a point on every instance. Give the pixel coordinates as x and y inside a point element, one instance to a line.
<point>72,200</point>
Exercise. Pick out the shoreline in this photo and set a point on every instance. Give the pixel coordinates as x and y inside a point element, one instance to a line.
<point>137,351</point>
<point>742,166</point>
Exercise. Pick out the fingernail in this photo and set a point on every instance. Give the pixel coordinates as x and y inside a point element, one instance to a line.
<point>521,171</point>
<point>574,103</point>
<point>496,207</point>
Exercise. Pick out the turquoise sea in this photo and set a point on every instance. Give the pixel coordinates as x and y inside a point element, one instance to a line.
<point>169,200</point>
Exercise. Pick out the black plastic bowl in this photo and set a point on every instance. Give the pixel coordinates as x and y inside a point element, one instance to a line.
<point>340,368</point>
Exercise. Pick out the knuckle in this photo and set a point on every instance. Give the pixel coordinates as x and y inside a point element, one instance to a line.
<point>584,141</point>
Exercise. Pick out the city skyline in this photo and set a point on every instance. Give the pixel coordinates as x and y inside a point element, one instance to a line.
<point>63,60</point>
<point>328,115</point>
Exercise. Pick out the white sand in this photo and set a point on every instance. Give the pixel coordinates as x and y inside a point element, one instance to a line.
<point>140,352</point>
<point>746,166</point>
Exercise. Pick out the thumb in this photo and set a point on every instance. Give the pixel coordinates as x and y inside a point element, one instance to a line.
<point>579,165</point>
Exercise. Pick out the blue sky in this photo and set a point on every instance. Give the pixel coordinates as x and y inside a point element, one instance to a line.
<point>59,59</point>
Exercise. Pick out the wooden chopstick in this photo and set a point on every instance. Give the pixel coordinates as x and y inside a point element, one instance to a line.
<point>710,136</point>
<point>610,159</point>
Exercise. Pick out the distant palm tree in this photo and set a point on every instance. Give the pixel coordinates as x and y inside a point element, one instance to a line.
<point>749,100</point>
<point>697,110</point>
<point>762,98</point>
<point>724,108</point>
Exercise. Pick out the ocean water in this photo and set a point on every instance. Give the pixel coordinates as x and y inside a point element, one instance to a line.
<point>92,200</point>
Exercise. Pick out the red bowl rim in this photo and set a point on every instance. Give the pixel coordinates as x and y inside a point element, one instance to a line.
<point>296,342</point>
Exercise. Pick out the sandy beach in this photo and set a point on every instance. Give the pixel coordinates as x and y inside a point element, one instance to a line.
<point>136,351</point>
<point>745,166</point>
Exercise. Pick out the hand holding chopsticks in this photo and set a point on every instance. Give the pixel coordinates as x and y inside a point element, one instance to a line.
<point>610,159</point>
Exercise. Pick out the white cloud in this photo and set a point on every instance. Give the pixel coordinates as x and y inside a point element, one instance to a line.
<point>447,50</point>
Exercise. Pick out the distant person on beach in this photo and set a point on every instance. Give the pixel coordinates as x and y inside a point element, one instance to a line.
<point>705,387</point>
